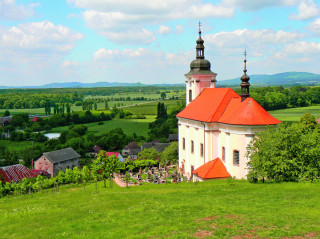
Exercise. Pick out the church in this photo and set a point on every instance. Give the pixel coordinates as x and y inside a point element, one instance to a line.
<point>217,124</point>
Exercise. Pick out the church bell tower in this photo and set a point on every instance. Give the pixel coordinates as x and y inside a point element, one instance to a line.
<point>200,75</point>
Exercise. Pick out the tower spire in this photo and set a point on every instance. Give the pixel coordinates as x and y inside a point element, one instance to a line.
<point>245,80</point>
<point>200,46</point>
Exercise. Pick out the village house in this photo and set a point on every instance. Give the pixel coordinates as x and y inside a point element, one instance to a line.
<point>4,121</point>
<point>117,154</point>
<point>217,122</point>
<point>17,172</point>
<point>55,161</point>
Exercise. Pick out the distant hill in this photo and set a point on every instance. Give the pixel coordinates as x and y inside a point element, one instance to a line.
<point>86,85</point>
<point>286,78</point>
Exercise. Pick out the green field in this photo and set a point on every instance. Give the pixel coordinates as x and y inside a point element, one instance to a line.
<point>294,114</point>
<point>151,108</point>
<point>129,126</point>
<point>216,209</point>
<point>18,145</point>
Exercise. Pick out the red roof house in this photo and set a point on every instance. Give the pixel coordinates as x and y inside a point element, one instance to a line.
<point>214,169</point>
<point>118,155</point>
<point>15,173</point>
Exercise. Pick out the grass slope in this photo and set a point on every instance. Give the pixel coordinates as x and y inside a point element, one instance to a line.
<point>217,209</point>
<point>294,114</point>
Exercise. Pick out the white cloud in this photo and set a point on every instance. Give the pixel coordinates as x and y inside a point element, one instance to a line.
<point>302,48</point>
<point>307,9</point>
<point>254,5</point>
<point>9,10</point>
<point>67,64</point>
<point>39,36</point>
<point>244,37</point>
<point>164,29</point>
<point>315,26</point>
<point>111,17</point>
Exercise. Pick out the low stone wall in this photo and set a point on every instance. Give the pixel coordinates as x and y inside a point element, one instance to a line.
<point>118,180</point>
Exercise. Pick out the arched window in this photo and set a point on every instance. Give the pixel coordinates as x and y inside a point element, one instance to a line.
<point>190,95</point>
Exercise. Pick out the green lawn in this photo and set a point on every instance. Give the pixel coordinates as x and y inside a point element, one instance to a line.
<point>294,114</point>
<point>151,108</point>
<point>216,209</point>
<point>129,126</point>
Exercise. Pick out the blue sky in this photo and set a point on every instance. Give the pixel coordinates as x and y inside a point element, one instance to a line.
<point>153,41</point>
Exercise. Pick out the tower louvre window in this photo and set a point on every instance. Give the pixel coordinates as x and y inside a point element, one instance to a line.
<point>190,95</point>
<point>236,158</point>
<point>223,154</point>
<point>192,146</point>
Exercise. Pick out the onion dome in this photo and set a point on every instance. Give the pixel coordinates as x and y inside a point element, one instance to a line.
<point>200,65</point>
<point>245,80</point>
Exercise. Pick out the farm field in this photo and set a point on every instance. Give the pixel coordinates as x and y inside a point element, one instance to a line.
<point>294,114</point>
<point>129,126</point>
<point>214,209</point>
<point>18,145</point>
<point>151,108</point>
<point>148,95</point>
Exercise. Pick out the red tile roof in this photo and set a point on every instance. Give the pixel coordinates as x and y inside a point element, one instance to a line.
<point>36,172</point>
<point>224,105</point>
<point>112,153</point>
<point>15,173</point>
<point>212,169</point>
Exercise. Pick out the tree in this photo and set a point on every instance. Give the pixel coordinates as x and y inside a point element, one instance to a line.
<point>7,113</point>
<point>106,105</point>
<point>95,106</point>
<point>150,153</point>
<point>286,153</point>
<point>68,108</point>
<point>163,95</point>
<point>170,153</point>
<point>104,167</point>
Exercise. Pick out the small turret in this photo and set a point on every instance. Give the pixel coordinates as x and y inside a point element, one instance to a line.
<point>245,81</point>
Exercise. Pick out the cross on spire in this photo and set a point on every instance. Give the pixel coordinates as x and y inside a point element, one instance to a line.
<point>245,61</point>
<point>199,28</point>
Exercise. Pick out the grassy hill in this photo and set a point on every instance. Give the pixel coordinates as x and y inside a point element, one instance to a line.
<point>216,209</point>
<point>286,78</point>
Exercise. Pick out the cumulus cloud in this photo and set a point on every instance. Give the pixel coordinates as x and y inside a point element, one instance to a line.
<point>39,36</point>
<point>243,37</point>
<point>307,9</point>
<point>254,5</point>
<point>302,48</point>
<point>315,26</point>
<point>111,17</point>
<point>38,43</point>
<point>9,10</point>
<point>164,29</point>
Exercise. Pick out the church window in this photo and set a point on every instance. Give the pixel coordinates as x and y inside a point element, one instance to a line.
<point>190,95</point>
<point>192,146</point>
<point>236,160</point>
<point>201,150</point>
<point>183,143</point>
<point>223,154</point>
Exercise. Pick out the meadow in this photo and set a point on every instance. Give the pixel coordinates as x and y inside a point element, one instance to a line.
<point>129,126</point>
<point>294,114</point>
<point>215,209</point>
